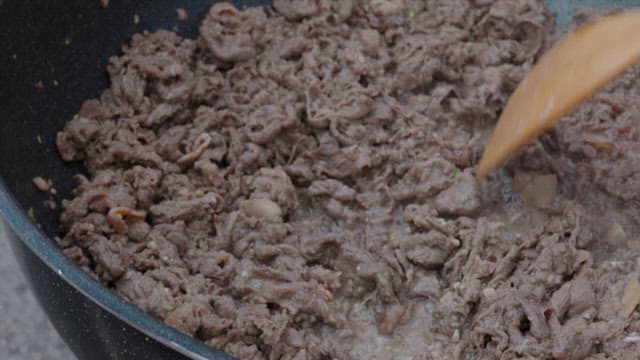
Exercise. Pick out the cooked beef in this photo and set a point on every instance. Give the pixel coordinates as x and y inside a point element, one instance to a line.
<point>297,183</point>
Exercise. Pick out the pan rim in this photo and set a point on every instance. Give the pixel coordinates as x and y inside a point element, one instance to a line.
<point>43,247</point>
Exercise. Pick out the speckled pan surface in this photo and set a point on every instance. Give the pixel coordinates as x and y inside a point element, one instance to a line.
<point>94,322</point>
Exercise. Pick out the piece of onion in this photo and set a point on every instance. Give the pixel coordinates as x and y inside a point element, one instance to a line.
<point>598,141</point>
<point>118,216</point>
<point>616,234</point>
<point>630,297</point>
<point>535,189</point>
<point>261,208</point>
<point>201,143</point>
<point>41,184</point>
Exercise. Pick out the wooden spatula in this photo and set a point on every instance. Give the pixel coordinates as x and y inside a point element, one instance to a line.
<point>566,76</point>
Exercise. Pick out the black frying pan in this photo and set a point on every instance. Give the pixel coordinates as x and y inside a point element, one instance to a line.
<point>95,323</point>
<point>69,42</point>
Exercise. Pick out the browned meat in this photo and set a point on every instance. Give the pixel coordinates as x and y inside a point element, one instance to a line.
<point>297,183</point>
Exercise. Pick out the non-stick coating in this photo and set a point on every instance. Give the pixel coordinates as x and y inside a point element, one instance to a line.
<point>68,42</point>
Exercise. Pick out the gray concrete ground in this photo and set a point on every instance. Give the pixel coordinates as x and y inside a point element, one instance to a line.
<point>25,331</point>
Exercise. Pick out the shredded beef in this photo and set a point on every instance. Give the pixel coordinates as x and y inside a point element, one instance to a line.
<point>297,183</point>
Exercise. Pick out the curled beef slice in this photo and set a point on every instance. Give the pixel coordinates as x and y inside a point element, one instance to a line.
<point>217,265</point>
<point>109,255</point>
<point>268,121</point>
<point>425,179</point>
<point>230,34</point>
<point>172,210</point>
<point>275,185</point>
<point>296,9</point>
<point>429,250</point>
<point>76,135</point>
<point>332,188</point>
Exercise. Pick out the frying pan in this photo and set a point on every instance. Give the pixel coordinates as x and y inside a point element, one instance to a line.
<point>63,46</point>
